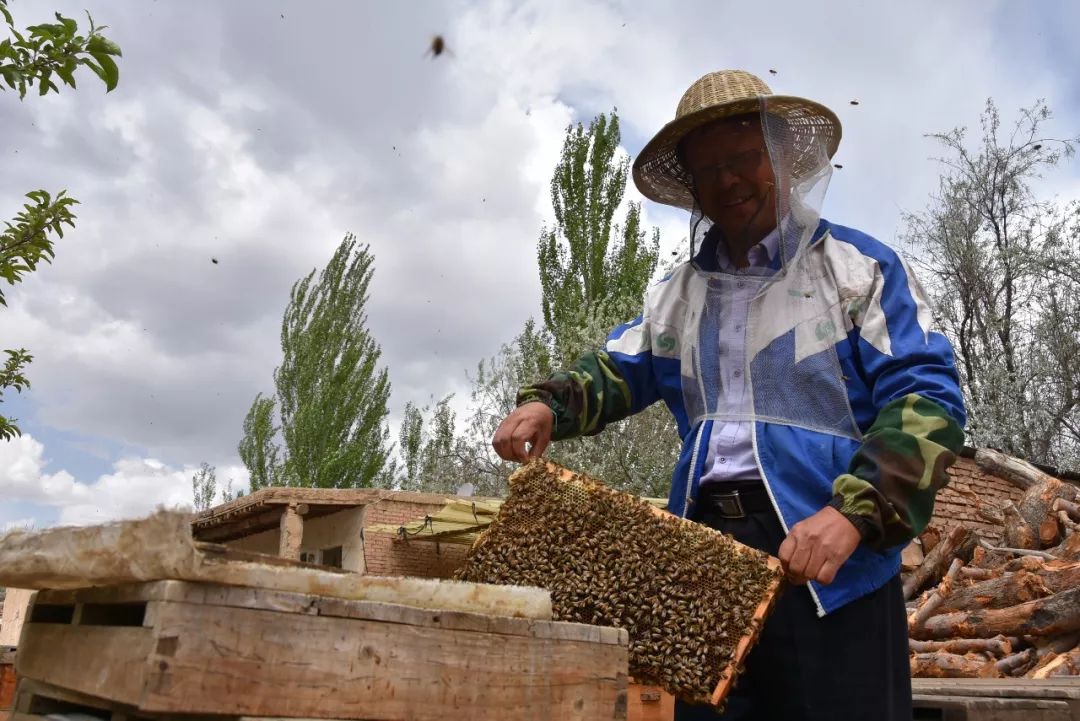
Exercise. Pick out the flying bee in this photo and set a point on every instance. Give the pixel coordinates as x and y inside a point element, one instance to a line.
<point>438,47</point>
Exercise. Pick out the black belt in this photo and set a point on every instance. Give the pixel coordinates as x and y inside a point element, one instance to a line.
<point>734,499</point>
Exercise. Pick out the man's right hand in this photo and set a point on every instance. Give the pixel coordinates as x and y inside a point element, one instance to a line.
<point>530,424</point>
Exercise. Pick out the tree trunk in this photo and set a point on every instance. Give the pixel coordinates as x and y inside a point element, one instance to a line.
<point>1018,532</point>
<point>1069,549</point>
<point>1053,646</point>
<point>1010,664</point>
<point>1070,508</point>
<point>979,574</point>
<point>1065,664</point>
<point>1037,506</point>
<point>1017,472</point>
<point>991,560</point>
<point>1000,646</point>
<point>950,665</point>
<point>959,542</point>
<point>1048,616</point>
<point>1003,592</point>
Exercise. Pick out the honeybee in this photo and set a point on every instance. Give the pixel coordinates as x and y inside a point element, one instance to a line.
<point>438,47</point>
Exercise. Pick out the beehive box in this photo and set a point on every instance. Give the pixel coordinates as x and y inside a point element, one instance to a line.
<point>171,648</point>
<point>692,599</point>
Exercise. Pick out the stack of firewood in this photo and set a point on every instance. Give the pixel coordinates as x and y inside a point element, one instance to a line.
<point>982,609</point>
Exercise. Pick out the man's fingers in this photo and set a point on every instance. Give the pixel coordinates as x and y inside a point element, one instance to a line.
<point>798,562</point>
<point>827,574</point>
<point>789,550</point>
<point>539,445</point>
<point>786,549</point>
<point>818,557</point>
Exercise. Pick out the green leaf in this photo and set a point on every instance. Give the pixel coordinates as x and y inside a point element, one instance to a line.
<point>6,14</point>
<point>43,82</point>
<point>108,71</point>
<point>101,44</point>
<point>68,23</point>
<point>67,73</point>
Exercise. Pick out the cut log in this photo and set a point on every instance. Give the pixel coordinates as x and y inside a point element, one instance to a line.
<point>1036,671</point>
<point>1049,556</point>
<point>959,542</point>
<point>1035,564</point>
<point>1069,549</point>
<point>1064,664</point>
<point>1000,646</point>
<point>1017,472</point>
<point>979,574</point>
<point>950,665</point>
<point>1018,532</point>
<point>989,514</point>
<point>1054,646</point>
<point>1016,661</point>
<point>929,538</point>
<point>1050,616</point>
<point>1068,525</point>
<point>1011,590</point>
<point>981,558</point>
<point>911,557</point>
<point>1072,510</point>
<point>937,596</point>
<point>1037,505</point>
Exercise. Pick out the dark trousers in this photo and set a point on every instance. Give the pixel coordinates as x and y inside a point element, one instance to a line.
<point>848,666</point>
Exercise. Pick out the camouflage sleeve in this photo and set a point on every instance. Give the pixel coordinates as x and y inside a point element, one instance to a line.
<point>584,398</point>
<point>888,492</point>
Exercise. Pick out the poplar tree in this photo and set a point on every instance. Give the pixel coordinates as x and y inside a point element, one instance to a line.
<point>331,392</point>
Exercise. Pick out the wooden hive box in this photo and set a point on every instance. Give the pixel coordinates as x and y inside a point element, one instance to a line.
<point>170,647</point>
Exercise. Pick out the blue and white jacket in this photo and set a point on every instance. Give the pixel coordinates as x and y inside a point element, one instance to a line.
<point>857,403</point>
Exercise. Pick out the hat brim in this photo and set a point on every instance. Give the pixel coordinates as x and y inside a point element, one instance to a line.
<point>660,176</point>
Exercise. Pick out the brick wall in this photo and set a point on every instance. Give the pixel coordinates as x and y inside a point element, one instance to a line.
<point>956,502</point>
<point>386,555</point>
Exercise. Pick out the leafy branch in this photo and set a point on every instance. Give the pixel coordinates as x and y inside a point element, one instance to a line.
<point>54,49</point>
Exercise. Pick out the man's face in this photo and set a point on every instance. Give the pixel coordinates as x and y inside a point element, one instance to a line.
<point>733,178</point>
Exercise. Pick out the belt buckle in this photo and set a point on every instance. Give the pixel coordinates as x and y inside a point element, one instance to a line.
<point>730,504</point>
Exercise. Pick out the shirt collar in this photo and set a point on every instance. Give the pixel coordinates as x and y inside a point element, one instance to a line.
<point>760,255</point>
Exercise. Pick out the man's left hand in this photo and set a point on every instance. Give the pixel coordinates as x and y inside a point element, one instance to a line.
<point>817,547</point>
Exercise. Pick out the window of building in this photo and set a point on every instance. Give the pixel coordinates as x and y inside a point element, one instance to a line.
<point>332,557</point>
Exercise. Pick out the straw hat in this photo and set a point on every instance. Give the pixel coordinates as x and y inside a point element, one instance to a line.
<point>659,174</point>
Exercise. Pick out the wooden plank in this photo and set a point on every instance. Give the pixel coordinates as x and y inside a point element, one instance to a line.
<point>994,709</point>
<point>304,603</point>
<point>103,661</point>
<point>232,661</point>
<point>1050,688</point>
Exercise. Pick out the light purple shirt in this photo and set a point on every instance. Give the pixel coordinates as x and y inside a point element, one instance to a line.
<point>730,456</point>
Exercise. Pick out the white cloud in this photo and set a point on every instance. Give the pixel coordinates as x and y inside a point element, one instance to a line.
<point>134,488</point>
<point>259,140</point>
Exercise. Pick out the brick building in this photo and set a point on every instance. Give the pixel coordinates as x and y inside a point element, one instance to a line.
<point>335,528</point>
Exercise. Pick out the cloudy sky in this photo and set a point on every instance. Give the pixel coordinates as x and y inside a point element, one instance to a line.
<point>259,133</point>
